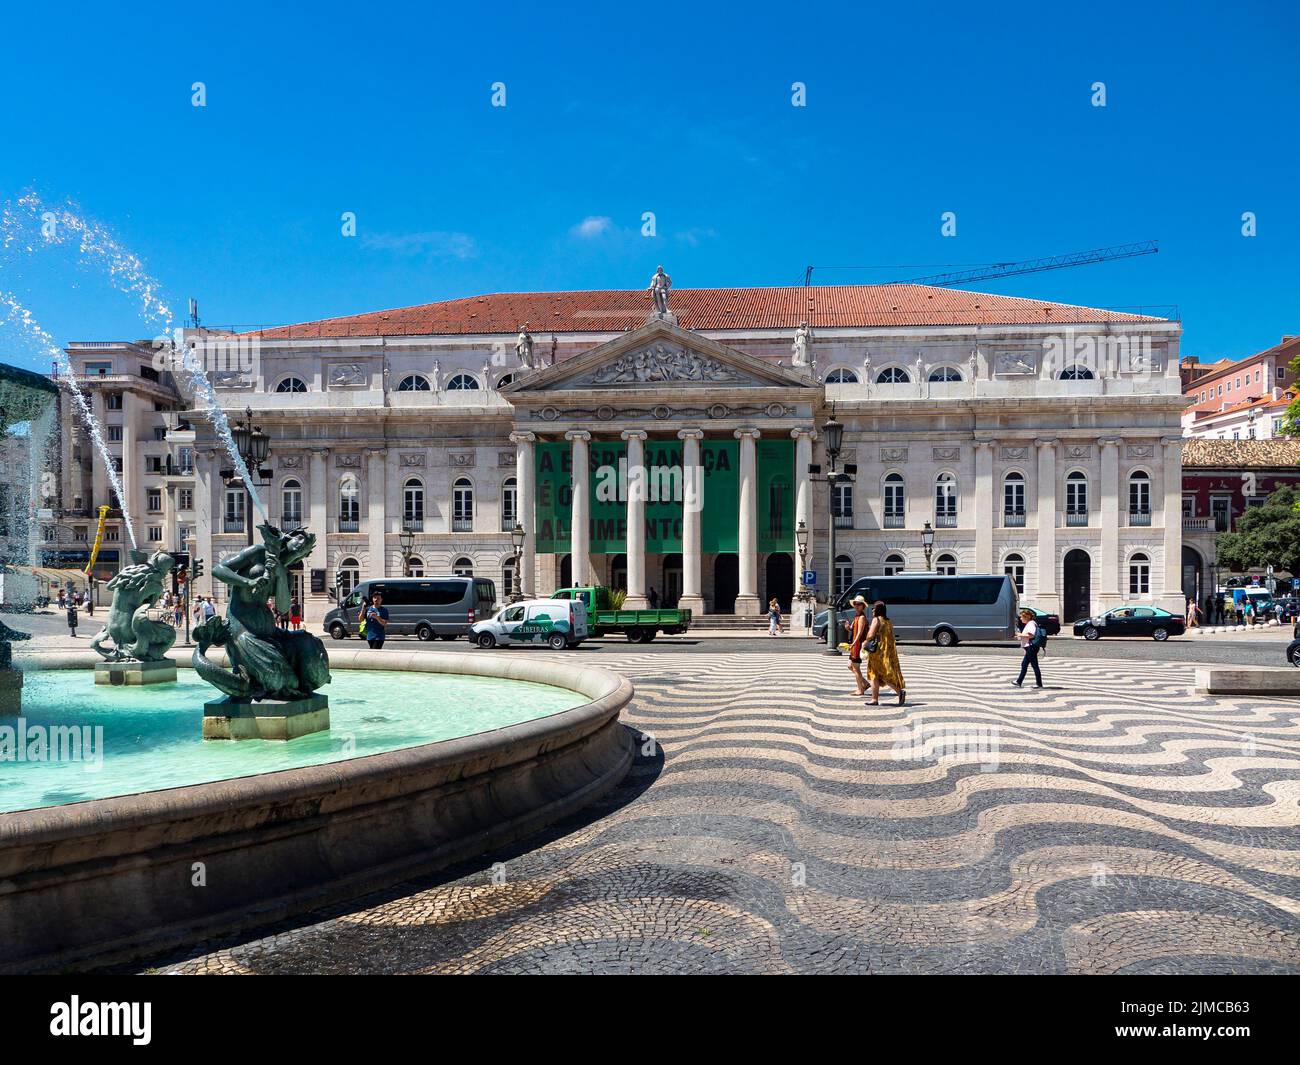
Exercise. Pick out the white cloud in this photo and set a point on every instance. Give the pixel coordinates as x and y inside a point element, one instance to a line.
<point>592,226</point>
<point>436,243</point>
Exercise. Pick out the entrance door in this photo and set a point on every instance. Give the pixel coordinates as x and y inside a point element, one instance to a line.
<point>726,583</point>
<point>566,572</point>
<point>1078,585</point>
<point>1191,574</point>
<point>618,573</point>
<point>672,580</point>
<point>780,581</point>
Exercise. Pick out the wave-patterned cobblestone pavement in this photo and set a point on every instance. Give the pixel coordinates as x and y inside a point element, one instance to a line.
<point>1114,822</point>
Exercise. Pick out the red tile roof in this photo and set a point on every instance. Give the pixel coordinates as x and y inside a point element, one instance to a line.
<point>705,309</point>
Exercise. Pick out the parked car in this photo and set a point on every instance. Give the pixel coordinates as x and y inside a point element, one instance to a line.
<point>425,607</point>
<point>1138,620</point>
<point>1293,650</point>
<point>1049,623</point>
<point>557,623</point>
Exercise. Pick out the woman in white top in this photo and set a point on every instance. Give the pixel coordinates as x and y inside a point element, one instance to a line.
<point>1030,645</point>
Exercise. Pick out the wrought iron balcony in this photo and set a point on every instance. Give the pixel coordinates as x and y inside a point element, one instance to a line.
<point>462,524</point>
<point>1139,517</point>
<point>893,521</point>
<point>412,524</point>
<point>844,521</point>
<point>945,521</point>
<point>1013,519</point>
<point>349,524</point>
<point>1076,517</point>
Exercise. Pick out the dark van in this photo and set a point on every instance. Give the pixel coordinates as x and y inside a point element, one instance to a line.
<point>445,607</point>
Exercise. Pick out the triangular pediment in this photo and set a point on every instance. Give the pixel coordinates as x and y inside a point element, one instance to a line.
<point>660,354</point>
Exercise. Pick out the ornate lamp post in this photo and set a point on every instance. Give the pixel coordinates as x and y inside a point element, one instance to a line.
<point>805,597</point>
<point>407,539</point>
<point>254,447</point>
<point>927,542</point>
<point>833,433</point>
<point>517,537</point>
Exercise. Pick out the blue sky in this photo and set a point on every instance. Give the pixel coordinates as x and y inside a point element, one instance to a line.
<point>385,111</point>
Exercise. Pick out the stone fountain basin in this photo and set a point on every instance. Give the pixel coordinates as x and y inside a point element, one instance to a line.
<point>110,880</point>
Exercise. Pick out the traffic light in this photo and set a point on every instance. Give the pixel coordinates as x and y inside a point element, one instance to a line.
<point>196,568</point>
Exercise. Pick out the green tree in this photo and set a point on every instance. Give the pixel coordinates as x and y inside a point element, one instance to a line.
<point>1266,535</point>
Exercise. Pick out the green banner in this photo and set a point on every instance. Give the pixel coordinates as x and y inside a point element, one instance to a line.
<point>776,495</point>
<point>665,490</point>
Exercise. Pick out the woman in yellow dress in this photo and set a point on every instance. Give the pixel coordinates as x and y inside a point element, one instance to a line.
<point>882,663</point>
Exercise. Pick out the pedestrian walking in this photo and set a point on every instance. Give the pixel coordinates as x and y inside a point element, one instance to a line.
<point>882,656</point>
<point>1032,640</point>
<point>773,618</point>
<point>72,618</point>
<point>178,613</point>
<point>857,633</point>
<point>376,622</point>
<point>1193,614</point>
<point>653,599</point>
<point>209,608</point>
<point>295,614</point>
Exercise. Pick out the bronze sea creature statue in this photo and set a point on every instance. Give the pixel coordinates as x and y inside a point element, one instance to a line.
<point>266,662</point>
<point>136,589</point>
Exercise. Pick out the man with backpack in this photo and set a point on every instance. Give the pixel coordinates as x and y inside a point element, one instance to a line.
<point>1032,639</point>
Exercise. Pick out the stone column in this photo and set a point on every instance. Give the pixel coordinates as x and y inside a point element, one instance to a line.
<point>100,492</point>
<point>205,515</point>
<point>376,516</point>
<point>986,507</point>
<point>747,539</point>
<point>318,493</point>
<point>803,503</point>
<point>1173,495</point>
<point>636,500</point>
<point>1109,578</point>
<point>579,523</point>
<point>692,507</point>
<point>132,467</point>
<point>1048,595</point>
<point>525,480</point>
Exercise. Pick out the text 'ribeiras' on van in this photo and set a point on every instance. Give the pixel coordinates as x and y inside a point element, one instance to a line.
<point>553,623</point>
<point>445,607</point>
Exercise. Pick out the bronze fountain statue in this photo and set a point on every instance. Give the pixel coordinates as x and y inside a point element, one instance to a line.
<point>136,590</point>
<point>267,663</point>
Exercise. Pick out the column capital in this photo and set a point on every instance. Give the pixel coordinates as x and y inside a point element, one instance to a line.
<point>690,434</point>
<point>740,434</point>
<point>1172,441</point>
<point>577,434</point>
<point>319,452</point>
<point>811,434</point>
<point>634,434</point>
<point>1110,441</point>
<point>376,452</point>
<point>983,445</point>
<point>522,436</point>
<point>1046,441</point>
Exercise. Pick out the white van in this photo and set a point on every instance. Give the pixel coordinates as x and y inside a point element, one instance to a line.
<point>558,623</point>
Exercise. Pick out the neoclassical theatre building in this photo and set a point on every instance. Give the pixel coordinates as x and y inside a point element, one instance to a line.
<point>1037,439</point>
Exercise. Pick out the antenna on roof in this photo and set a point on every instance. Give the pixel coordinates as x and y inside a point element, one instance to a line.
<point>194,313</point>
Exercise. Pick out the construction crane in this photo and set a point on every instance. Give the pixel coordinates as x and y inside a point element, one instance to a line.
<point>1029,266</point>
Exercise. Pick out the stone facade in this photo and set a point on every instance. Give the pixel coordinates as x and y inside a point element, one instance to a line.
<point>1022,455</point>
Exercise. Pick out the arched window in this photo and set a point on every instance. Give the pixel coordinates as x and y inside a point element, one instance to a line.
<point>349,575</point>
<point>946,565</point>
<point>415,566</point>
<point>841,376</point>
<point>506,379</point>
<point>413,505</point>
<point>892,375</point>
<point>1013,499</point>
<point>1076,498</point>
<point>945,501</point>
<point>509,504</point>
<point>944,374</point>
<point>1014,567</point>
<point>463,382</point>
<point>895,501</point>
<point>508,575</point>
<point>291,504</point>
<point>414,382</point>
<point>1139,498</point>
<point>463,567</point>
<point>1139,575</point>
<point>843,574</point>
<point>349,503</point>
<point>1076,373</point>
<point>292,384</point>
<point>894,563</point>
<point>462,506</point>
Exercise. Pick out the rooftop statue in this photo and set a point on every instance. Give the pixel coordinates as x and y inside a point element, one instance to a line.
<point>266,662</point>
<point>136,589</point>
<point>659,287</point>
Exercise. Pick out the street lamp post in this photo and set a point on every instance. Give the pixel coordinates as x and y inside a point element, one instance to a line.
<point>833,433</point>
<point>927,542</point>
<point>517,537</point>
<point>805,596</point>
<point>254,447</point>
<point>407,539</point>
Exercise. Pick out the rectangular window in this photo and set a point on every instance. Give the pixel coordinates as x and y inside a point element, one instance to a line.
<point>153,464</point>
<point>185,498</point>
<point>100,368</point>
<point>153,499</point>
<point>1139,578</point>
<point>235,511</point>
<point>185,460</point>
<point>155,534</point>
<point>160,432</point>
<point>113,401</point>
<point>114,434</point>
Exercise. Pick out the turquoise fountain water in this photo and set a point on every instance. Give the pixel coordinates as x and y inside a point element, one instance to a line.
<point>137,739</point>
